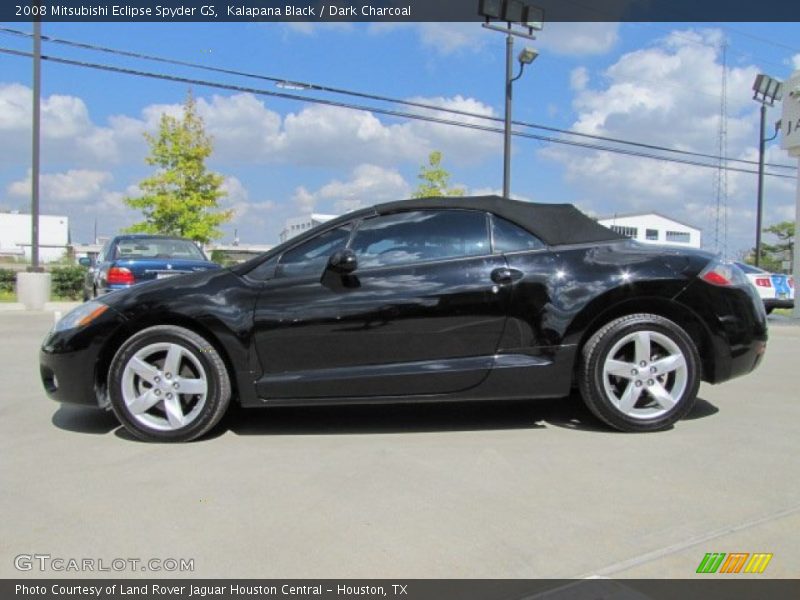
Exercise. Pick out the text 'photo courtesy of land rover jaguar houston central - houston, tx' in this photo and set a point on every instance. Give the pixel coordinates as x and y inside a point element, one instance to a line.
<point>439,299</point>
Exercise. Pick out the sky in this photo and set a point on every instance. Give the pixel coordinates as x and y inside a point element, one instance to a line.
<point>654,83</point>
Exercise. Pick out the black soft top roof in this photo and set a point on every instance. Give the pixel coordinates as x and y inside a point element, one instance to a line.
<point>554,224</point>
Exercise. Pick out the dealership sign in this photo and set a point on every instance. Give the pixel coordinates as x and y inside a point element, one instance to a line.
<point>791,115</point>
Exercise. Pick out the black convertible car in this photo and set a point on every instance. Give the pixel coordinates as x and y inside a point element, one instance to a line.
<point>419,300</point>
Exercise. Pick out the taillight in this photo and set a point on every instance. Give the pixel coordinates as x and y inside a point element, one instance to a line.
<point>763,282</point>
<point>791,282</point>
<point>715,278</point>
<point>722,274</point>
<point>120,276</point>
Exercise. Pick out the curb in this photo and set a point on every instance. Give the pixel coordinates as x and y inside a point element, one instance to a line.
<point>48,307</point>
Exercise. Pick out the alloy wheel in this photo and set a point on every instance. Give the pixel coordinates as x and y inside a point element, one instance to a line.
<point>164,386</point>
<point>645,374</point>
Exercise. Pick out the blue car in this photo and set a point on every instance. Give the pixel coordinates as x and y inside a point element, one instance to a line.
<point>128,260</point>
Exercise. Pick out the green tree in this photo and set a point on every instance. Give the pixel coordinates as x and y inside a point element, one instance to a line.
<point>773,255</point>
<point>182,197</point>
<point>434,179</point>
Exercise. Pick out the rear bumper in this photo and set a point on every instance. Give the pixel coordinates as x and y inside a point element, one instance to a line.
<point>736,321</point>
<point>771,303</point>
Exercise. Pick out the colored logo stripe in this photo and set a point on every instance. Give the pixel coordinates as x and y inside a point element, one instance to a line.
<point>734,562</point>
<point>757,563</point>
<point>711,562</point>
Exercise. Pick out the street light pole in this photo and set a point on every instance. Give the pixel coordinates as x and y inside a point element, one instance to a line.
<point>507,129</point>
<point>518,16</point>
<point>766,91</point>
<point>760,200</point>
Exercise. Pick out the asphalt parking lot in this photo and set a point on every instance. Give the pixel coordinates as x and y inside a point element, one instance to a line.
<point>507,490</point>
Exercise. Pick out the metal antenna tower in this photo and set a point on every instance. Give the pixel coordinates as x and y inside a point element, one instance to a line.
<point>721,180</point>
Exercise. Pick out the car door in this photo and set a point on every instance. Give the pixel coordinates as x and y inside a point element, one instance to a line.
<point>419,315</point>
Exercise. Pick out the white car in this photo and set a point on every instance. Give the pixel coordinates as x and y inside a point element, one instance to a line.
<point>775,289</point>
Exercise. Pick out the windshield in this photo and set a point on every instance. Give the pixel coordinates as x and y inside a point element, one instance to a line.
<point>157,248</point>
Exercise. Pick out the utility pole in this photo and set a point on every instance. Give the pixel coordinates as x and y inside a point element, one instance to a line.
<point>35,164</point>
<point>791,143</point>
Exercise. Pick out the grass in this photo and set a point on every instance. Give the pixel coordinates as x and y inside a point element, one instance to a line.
<point>6,296</point>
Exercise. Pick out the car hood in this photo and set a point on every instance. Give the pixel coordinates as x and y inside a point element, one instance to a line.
<point>170,287</point>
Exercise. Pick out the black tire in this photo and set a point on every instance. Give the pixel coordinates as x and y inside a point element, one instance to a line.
<point>197,357</point>
<point>603,392</point>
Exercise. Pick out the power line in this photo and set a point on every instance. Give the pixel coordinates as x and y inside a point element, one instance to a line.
<point>376,110</point>
<point>381,98</point>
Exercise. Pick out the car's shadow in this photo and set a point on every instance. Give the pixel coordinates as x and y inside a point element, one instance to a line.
<point>568,413</point>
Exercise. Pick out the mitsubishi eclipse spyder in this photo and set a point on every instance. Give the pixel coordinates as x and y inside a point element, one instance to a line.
<point>424,300</point>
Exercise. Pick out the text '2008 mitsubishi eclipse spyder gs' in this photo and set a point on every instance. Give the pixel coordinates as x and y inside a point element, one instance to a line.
<point>433,299</point>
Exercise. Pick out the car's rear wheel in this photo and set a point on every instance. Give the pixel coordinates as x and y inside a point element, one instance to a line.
<point>167,383</point>
<point>640,373</point>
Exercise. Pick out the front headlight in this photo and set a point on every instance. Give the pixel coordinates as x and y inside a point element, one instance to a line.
<point>81,316</point>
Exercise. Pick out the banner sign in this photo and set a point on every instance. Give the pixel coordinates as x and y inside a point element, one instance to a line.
<point>393,10</point>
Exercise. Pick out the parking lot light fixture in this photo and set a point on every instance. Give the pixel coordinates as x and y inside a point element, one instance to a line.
<point>766,91</point>
<point>518,16</point>
<point>490,9</point>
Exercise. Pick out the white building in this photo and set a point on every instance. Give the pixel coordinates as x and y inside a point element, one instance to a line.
<point>15,236</point>
<point>653,228</point>
<point>297,225</point>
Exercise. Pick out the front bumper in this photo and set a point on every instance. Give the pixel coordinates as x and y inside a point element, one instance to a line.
<point>69,361</point>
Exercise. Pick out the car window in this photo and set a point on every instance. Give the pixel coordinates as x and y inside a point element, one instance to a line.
<point>264,271</point>
<point>310,257</point>
<point>103,256</point>
<point>420,236</point>
<point>157,248</point>
<point>508,237</point>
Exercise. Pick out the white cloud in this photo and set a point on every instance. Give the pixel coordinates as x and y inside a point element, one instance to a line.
<point>66,128</point>
<point>245,210</point>
<point>579,78</point>
<point>369,184</point>
<point>668,94</point>
<point>796,61</point>
<point>451,38</point>
<point>572,39</point>
<point>578,39</point>
<point>75,185</point>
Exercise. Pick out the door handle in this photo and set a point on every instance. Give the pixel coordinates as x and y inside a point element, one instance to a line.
<point>506,275</point>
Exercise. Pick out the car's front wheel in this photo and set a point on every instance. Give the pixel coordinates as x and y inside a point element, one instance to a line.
<point>640,372</point>
<point>168,384</point>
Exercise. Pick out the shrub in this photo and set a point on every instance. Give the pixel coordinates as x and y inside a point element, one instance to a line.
<point>8,279</point>
<point>68,282</point>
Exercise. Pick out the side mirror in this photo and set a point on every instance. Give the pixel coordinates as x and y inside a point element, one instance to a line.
<point>85,261</point>
<point>343,261</point>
